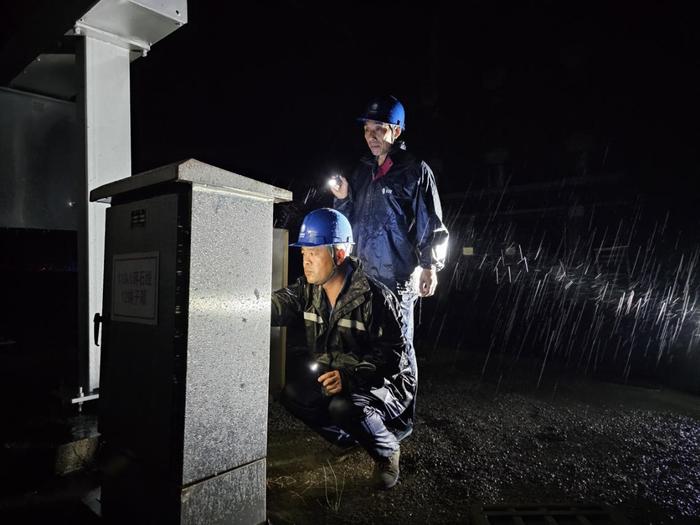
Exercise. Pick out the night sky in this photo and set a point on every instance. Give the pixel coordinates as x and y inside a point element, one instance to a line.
<point>272,92</point>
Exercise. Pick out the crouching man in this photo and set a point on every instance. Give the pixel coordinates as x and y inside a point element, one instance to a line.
<point>359,378</point>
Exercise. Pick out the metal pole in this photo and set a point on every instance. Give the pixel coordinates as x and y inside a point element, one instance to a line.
<point>104,110</point>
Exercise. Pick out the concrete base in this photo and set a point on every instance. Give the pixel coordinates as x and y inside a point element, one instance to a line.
<point>233,498</point>
<point>75,455</point>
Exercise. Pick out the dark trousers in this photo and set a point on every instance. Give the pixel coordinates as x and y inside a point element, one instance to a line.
<point>340,419</point>
<point>406,292</point>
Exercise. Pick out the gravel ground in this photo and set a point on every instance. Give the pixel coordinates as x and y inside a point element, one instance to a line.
<point>578,442</point>
<point>477,442</point>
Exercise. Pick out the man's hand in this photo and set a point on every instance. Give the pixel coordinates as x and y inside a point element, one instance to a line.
<point>331,382</point>
<point>427,282</point>
<point>340,189</point>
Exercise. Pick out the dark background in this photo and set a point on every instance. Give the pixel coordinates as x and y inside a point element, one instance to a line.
<point>272,92</point>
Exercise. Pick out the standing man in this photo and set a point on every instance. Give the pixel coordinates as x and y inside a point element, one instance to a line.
<point>358,376</point>
<point>393,205</point>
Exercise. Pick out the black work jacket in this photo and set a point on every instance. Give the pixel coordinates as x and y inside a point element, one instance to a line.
<point>397,219</point>
<point>365,323</point>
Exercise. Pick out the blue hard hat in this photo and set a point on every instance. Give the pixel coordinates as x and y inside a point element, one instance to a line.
<point>323,227</point>
<point>385,109</point>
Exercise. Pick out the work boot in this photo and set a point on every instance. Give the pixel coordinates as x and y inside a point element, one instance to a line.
<point>386,471</point>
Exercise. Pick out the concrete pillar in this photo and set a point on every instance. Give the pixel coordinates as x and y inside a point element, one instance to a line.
<point>185,348</point>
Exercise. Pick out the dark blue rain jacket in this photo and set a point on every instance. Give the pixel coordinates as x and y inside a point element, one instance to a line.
<point>397,219</point>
